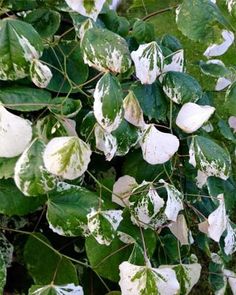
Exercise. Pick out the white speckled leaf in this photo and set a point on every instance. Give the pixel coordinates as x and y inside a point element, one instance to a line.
<point>132,110</point>
<point>142,280</point>
<point>87,8</point>
<point>220,49</point>
<point>105,50</point>
<point>67,157</point>
<point>40,74</point>
<point>103,225</point>
<point>174,201</point>
<point>210,158</point>
<point>122,190</point>
<point>174,62</point>
<point>158,147</point>
<point>105,142</point>
<point>217,221</point>
<point>192,116</point>
<point>51,289</point>
<point>230,239</point>
<point>15,134</point>
<point>31,176</point>
<point>108,100</point>
<point>19,45</point>
<point>148,61</point>
<point>6,250</point>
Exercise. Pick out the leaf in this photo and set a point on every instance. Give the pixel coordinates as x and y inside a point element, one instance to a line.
<point>142,280</point>
<point>127,136</point>
<point>230,275</point>
<point>132,110</point>
<point>7,250</point>
<point>188,275</point>
<point>105,142</point>
<point>89,9</point>
<point>220,49</point>
<point>222,83</point>
<point>103,225</point>
<point>65,106</point>
<point>181,87</point>
<point>67,156</point>
<point>65,62</point>
<point>232,123</point>
<point>158,147</point>
<point>199,20</point>
<point>56,290</point>
<point>143,32</point>
<point>192,116</point>
<point>122,190</point>
<point>31,176</point>
<point>148,60</point>
<point>15,134</point>
<point>45,21</point>
<point>13,202</point>
<point>68,208</point>
<point>19,44</point>
<point>230,240</point>
<point>174,201</point>
<point>231,99</point>
<point>108,99</point>
<point>214,68</point>
<point>174,62</point>
<point>40,74</point>
<point>146,206</point>
<point>105,260</point>
<point>151,99</point>
<point>226,131</point>
<point>3,273</point>
<point>7,166</point>
<point>58,269</point>
<point>180,230</point>
<point>209,157</point>
<point>24,99</point>
<point>105,50</point>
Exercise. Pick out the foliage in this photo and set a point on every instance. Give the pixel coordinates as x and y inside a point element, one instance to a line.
<point>117,147</point>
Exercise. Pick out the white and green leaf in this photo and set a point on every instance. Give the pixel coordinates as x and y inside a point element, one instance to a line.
<point>51,289</point>
<point>40,74</point>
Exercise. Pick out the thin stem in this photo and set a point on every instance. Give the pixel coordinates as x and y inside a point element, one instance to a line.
<point>159,12</point>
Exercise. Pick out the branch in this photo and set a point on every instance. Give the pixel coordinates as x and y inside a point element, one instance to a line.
<point>159,12</point>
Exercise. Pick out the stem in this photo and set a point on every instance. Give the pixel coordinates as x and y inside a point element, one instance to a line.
<point>159,12</point>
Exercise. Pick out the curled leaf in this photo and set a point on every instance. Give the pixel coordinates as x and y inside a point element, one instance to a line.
<point>40,74</point>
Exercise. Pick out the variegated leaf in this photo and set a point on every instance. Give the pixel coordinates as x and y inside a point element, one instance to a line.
<point>40,74</point>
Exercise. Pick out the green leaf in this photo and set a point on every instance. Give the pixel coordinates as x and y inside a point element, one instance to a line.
<point>68,208</point>
<point>171,42</point>
<point>231,99</point>
<point>105,50</point>
<point>45,21</point>
<point>7,166</point>
<point>67,156</point>
<point>48,265</point>
<point>127,136</point>
<point>214,68</point>
<point>105,260</point>
<point>65,62</point>
<point>65,106</point>
<point>19,45</point>
<point>24,99</point>
<point>226,131</point>
<point>209,157</point>
<point>143,32</point>
<point>199,20</point>
<point>56,290</point>
<point>151,99</point>
<point>3,273</point>
<point>31,176</point>
<point>181,87</point>
<point>108,100</point>
<point>13,202</point>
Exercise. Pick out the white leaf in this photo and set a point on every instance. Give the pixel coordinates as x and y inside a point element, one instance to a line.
<point>174,201</point>
<point>176,64</point>
<point>67,156</point>
<point>203,227</point>
<point>115,4</point>
<point>69,289</point>
<point>105,142</point>
<point>122,190</point>
<point>103,225</point>
<point>217,221</point>
<point>87,8</point>
<point>231,276</point>
<point>135,280</point>
<point>180,230</point>
<point>40,74</point>
<point>192,116</point>
<point>230,240</point>
<point>232,123</point>
<point>230,4</point>
<point>220,49</point>
<point>15,134</point>
<point>148,61</point>
<point>222,83</point>
<point>132,110</point>
<point>158,147</point>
